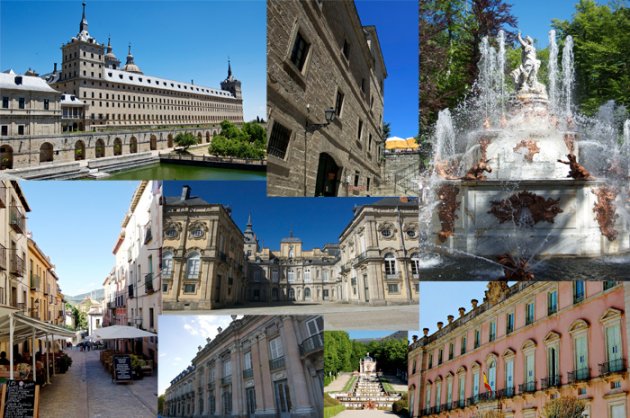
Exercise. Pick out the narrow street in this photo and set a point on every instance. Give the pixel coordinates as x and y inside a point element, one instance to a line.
<point>86,390</point>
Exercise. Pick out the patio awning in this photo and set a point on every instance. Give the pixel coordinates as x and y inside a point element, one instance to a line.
<point>24,327</point>
<point>115,332</point>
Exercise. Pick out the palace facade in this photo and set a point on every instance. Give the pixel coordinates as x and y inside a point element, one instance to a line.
<point>263,366</point>
<point>101,95</point>
<point>209,263</point>
<point>320,57</point>
<point>532,342</point>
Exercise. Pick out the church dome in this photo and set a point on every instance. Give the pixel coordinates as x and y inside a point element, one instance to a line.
<point>130,66</point>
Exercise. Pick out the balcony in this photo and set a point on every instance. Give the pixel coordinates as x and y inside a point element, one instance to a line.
<point>35,282</point>
<point>613,366</point>
<point>226,380</point>
<point>277,363</point>
<point>528,387</point>
<point>167,274</point>
<point>579,375</point>
<point>16,264</point>
<point>361,258</point>
<point>3,257</point>
<point>312,344</point>
<point>17,220</point>
<point>392,276</point>
<point>248,373</point>
<point>130,291</point>
<point>148,283</point>
<point>148,236</point>
<point>550,382</point>
<point>473,400</point>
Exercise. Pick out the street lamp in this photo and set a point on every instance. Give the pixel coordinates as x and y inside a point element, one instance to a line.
<point>329,114</point>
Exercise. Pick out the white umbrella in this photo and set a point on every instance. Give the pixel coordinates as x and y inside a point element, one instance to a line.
<point>121,331</point>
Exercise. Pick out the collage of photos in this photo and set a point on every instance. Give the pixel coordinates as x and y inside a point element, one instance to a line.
<point>315,209</point>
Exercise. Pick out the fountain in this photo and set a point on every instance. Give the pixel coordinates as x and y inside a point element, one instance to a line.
<point>522,186</point>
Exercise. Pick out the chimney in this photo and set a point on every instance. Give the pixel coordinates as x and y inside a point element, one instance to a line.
<point>450,318</point>
<point>185,193</point>
<point>462,311</point>
<point>425,331</point>
<point>55,70</point>
<point>440,325</point>
<point>474,303</point>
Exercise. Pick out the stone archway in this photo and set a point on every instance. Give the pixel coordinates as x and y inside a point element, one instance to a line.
<point>133,145</point>
<point>153,143</point>
<point>99,148</point>
<point>6,157</point>
<point>328,176</point>
<point>79,150</point>
<point>169,142</point>
<point>199,138</point>
<point>207,136</point>
<point>46,152</point>
<point>117,146</point>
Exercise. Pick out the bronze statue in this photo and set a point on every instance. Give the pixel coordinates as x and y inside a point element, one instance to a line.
<point>577,171</point>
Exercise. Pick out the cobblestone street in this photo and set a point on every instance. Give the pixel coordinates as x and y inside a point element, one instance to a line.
<point>86,390</point>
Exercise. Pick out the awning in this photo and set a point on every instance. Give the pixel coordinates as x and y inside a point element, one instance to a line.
<point>23,327</point>
<point>115,332</point>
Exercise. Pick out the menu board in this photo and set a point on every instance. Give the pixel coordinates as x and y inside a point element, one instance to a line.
<point>20,399</point>
<point>122,368</point>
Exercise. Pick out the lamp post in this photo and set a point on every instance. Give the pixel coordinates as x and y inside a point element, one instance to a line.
<point>329,114</point>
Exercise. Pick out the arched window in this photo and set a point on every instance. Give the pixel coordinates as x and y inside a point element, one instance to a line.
<point>167,264</point>
<point>307,293</point>
<point>492,374</point>
<point>390,264</point>
<point>192,265</point>
<point>291,294</point>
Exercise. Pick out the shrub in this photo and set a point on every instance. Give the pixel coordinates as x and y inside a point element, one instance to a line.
<point>564,407</point>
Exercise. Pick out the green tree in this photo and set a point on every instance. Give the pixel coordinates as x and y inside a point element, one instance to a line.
<point>601,35</point>
<point>161,404</point>
<point>186,140</point>
<point>250,141</point>
<point>80,318</point>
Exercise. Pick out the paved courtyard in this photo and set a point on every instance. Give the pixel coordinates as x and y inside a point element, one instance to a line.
<point>337,316</point>
<point>86,390</point>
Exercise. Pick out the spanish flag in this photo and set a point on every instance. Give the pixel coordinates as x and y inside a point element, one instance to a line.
<point>485,383</point>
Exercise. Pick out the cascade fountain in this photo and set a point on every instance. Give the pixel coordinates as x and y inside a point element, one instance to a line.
<point>522,186</point>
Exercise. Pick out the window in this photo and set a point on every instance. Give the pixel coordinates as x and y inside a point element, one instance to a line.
<point>509,376</point>
<point>248,360</point>
<point>189,288</point>
<point>360,130</point>
<point>581,357</point>
<point>492,374</point>
<point>451,351</point>
<point>5,102</point>
<point>386,232</point>
<point>493,331</point>
<point>509,323</point>
<point>346,49</point>
<point>438,396</point>
<point>415,264</point>
<point>300,51</point>
<point>279,140</point>
<point>427,397</point>
<point>392,288</point>
<point>339,103</point>
<point>275,348</point>
<point>475,378</point>
<point>20,129</point>
<point>529,313</point>
<point>552,302</point>
<point>291,276</point>
<point>356,178</point>
<point>21,103</point>
<point>449,391</point>
<point>197,232</point>
<point>5,130</point>
<point>463,345</point>
<point>390,264</point>
<point>578,291</point>
<point>609,284</point>
<point>430,361</point>
<point>613,349</point>
<point>440,356</point>
<point>477,338</point>
<point>307,275</point>
<point>167,264</point>
<point>192,265</point>
<point>530,382</point>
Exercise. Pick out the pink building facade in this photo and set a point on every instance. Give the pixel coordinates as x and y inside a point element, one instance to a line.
<point>532,342</point>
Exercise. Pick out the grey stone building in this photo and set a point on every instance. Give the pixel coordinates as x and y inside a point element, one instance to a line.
<point>320,57</point>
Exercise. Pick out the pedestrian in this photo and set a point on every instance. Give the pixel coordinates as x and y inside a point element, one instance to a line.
<point>3,359</point>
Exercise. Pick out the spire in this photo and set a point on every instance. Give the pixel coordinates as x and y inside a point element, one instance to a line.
<point>109,44</point>
<point>83,26</point>
<point>229,69</point>
<point>249,220</point>
<point>129,56</point>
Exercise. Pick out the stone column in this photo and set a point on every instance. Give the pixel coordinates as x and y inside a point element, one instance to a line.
<point>295,370</point>
<point>218,389</point>
<point>237,379</point>
<point>267,404</point>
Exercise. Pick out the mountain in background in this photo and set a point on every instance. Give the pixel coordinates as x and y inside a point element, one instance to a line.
<point>398,335</point>
<point>97,294</point>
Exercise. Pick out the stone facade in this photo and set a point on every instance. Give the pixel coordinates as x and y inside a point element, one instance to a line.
<point>319,56</point>
<point>533,342</point>
<point>263,366</point>
<point>379,257</point>
<point>203,257</point>
<point>46,300</point>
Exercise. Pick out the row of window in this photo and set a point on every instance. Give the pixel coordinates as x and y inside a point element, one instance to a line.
<point>160,100</point>
<point>529,316</point>
<point>506,383</point>
<point>6,102</point>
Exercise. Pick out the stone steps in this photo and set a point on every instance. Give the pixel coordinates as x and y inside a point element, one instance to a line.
<point>122,162</point>
<point>62,171</point>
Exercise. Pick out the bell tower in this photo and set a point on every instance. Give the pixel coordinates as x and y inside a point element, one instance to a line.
<point>231,84</point>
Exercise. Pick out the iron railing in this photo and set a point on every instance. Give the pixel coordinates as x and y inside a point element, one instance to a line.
<point>16,264</point>
<point>248,373</point>
<point>35,281</point>
<point>613,366</point>
<point>579,375</point>
<point>3,257</point>
<point>17,220</point>
<point>148,283</point>
<point>276,363</point>
<point>550,381</point>
<point>312,344</point>
<point>527,387</point>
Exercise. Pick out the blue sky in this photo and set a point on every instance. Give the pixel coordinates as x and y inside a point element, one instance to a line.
<point>183,40</point>
<point>397,27</point>
<point>316,221</point>
<point>174,356</point>
<point>76,223</point>
<point>357,335</point>
<point>535,16</point>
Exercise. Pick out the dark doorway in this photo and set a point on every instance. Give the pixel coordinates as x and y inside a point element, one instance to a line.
<point>328,176</point>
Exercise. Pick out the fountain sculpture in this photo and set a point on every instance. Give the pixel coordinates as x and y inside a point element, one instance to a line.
<point>521,177</point>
